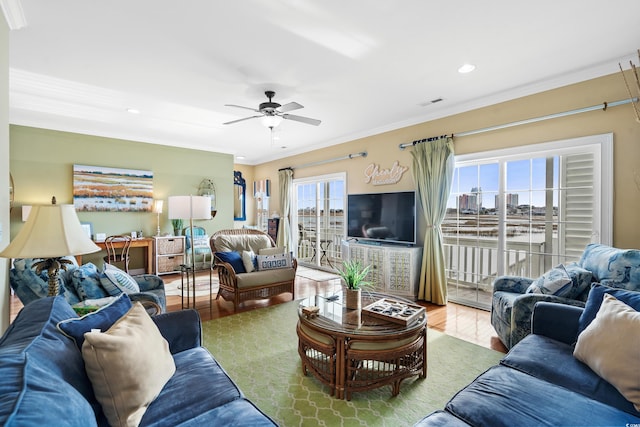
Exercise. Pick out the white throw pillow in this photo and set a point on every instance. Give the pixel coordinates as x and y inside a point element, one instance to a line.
<point>610,346</point>
<point>128,366</point>
<point>249,261</point>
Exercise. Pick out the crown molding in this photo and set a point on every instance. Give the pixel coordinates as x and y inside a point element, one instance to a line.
<point>13,13</point>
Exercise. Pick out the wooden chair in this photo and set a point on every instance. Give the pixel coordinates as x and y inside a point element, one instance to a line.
<point>241,287</point>
<point>118,250</point>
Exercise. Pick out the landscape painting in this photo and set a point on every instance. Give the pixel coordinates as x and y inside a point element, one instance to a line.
<point>105,189</point>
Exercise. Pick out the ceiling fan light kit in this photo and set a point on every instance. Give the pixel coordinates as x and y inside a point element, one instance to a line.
<point>272,113</point>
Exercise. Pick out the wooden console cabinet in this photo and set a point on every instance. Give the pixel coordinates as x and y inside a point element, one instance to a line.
<point>395,270</point>
<point>168,253</point>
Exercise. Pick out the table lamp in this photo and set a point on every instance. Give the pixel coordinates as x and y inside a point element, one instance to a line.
<point>191,207</point>
<point>157,209</point>
<point>50,233</point>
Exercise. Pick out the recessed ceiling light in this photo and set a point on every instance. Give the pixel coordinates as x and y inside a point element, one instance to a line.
<point>133,111</point>
<point>240,157</point>
<point>466,68</point>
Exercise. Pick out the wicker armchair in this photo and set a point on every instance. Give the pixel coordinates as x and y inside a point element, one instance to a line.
<point>239,287</point>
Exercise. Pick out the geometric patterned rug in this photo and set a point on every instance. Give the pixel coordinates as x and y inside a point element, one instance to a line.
<point>258,349</point>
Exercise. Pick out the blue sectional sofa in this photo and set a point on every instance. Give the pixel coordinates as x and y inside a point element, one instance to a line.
<point>540,383</point>
<point>44,382</point>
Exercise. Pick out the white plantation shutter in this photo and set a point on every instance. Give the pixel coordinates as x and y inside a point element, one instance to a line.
<point>577,204</point>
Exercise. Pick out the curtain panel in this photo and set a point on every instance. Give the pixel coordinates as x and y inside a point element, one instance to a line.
<point>433,167</point>
<point>285,177</point>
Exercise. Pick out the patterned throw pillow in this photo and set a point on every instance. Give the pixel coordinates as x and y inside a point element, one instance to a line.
<point>554,282</point>
<point>116,281</point>
<point>274,262</point>
<point>101,319</point>
<point>86,281</point>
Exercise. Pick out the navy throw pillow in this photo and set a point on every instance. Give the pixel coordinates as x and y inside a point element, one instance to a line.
<point>594,301</point>
<point>102,319</point>
<point>233,258</point>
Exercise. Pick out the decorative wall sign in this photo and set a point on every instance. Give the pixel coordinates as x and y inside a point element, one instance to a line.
<point>104,189</point>
<point>377,176</point>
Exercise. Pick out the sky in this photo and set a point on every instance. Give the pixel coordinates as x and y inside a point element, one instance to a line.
<point>523,177</point>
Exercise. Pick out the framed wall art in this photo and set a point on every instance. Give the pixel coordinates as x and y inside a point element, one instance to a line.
<point>105,189</point>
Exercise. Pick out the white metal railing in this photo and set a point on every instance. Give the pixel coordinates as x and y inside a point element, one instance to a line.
<point>474,262</point>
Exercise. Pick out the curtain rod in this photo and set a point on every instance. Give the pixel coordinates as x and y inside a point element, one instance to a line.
<point>602,107</point>
<point>322,162</point>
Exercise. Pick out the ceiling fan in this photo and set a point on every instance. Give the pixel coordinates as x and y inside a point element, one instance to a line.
<point>272,113</point>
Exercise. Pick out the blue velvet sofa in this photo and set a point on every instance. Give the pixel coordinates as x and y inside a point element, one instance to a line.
<point>44,383</point>
<point>539,383</point>
<point>513,301</point>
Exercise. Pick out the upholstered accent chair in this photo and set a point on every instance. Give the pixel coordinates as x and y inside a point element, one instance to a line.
<point>81,283</point>
<point>250,266</point>
<point>201,247</point>
<point>514,297</point>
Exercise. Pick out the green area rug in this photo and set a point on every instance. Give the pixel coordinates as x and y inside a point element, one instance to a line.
<point>258,349</point>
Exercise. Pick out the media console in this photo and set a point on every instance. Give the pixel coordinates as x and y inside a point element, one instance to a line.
<point>395,269</point>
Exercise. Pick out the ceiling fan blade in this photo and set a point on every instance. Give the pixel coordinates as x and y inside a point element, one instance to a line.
<point>241,120</point>
<point>240,106</point>
<point>306,120</point>
<point>290,107</point>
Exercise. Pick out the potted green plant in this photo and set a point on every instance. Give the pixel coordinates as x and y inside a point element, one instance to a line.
<point>353,273</point>
<point>177,227</point>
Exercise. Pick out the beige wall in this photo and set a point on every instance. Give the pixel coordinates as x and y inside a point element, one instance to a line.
<point>42,166</point>
<point>4,167</point>
<point>383,148</point>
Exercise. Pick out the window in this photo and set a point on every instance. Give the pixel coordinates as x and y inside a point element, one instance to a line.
<point>318,215</point>
<point>522,211</point>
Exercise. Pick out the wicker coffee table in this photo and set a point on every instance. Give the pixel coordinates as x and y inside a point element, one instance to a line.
<point>351,351</point>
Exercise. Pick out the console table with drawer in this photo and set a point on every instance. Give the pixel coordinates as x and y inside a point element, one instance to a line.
<point>168,253</point>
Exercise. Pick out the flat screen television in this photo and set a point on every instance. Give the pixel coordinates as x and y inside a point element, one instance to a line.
<point>382,217</point>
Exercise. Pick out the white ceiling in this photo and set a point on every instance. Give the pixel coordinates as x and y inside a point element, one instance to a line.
<point>361,66</point>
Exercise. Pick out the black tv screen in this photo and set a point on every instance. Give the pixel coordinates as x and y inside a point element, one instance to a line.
<point>383,217</point>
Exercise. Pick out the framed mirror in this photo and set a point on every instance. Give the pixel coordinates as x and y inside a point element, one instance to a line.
<point>239,196</point>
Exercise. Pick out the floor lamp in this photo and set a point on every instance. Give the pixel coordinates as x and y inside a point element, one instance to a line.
<point>190,207</point>
<point>51,233</point>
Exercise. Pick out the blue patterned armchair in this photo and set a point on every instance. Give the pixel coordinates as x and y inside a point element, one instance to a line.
<point>87,282</point>
<point>514,297</point>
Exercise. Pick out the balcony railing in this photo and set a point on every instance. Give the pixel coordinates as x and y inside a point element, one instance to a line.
<point>472,266</point>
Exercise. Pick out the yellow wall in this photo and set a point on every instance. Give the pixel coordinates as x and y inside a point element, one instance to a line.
<point>383,148</point>
<point>42,166</point>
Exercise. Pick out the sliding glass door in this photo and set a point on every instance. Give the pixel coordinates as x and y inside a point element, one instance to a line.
<point>521,213</point>
<point>319,219</point>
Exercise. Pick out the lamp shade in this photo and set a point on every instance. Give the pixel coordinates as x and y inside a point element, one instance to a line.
<point>51,231</point>
<point>157,206</point>
<point>189,207</point>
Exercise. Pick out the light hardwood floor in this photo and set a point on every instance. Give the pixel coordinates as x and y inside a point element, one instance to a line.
<point>462,322</point>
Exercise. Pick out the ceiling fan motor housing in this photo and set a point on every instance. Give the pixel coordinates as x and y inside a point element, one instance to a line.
<point>269,107</point>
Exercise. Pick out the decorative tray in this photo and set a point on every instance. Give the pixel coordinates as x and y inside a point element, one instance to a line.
<point>394,311</point>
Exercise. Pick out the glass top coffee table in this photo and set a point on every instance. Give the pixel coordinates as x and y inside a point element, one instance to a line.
<point>351,350</point>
